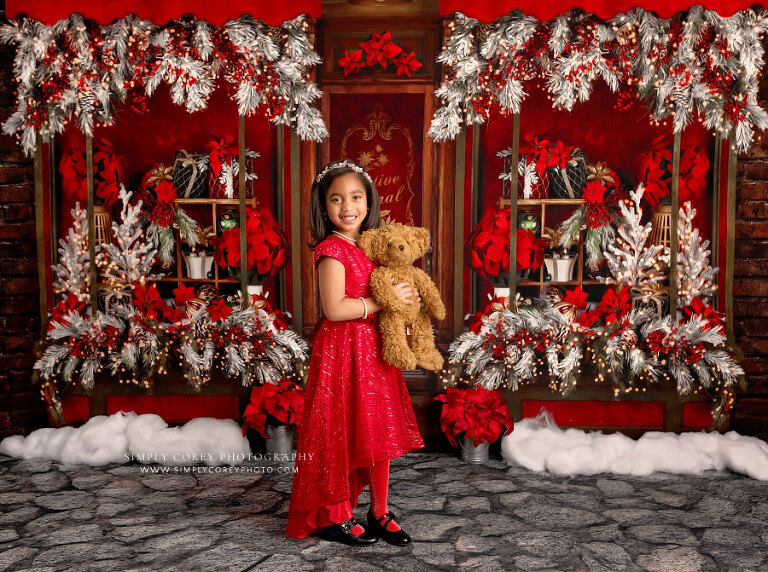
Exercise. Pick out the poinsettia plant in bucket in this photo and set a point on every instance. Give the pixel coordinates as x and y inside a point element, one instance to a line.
<point>477,414</point>
<point>487,249</point>
<point>267,247</point>
<point>275,412</point>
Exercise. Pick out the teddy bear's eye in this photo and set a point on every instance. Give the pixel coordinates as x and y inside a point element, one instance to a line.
<point>389,244</point>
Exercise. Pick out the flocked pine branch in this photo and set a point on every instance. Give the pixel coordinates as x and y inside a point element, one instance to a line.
<point>128,259</point>
<point>696,278</point>
<point>632,261</point>
<point>72,274</point>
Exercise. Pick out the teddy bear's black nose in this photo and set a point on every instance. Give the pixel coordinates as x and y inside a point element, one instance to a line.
<point>402,247</point>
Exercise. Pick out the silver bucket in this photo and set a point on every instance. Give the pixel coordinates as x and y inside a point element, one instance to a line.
<point>476,455</point>
<point>279,439</point>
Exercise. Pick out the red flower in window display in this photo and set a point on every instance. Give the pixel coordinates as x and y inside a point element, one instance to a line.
<point>218,310</point>
<point>221,152</point>
<point>537,150</point>
<point>594,192</point>
<point>656,171</point>
<point>268,246</point>
<point>577,297</point>
<point>282,403</point>
<point>148,301</point>
<point>407,63</point>
<point>380,49</point>
<point>107,174</point>
<point>480,414</point>
<point>352,62</point>
<point>614,305</point>
<point>706,312</point>
<point>488,248</point>
<point>559,155</point>
<point>182,295</point>
<point>69,304</point>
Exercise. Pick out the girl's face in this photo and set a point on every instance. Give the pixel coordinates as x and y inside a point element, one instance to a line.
<point>347,204</point>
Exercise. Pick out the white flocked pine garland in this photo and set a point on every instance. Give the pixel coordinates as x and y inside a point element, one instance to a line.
<point>697,61</point>
<point>79,70</point>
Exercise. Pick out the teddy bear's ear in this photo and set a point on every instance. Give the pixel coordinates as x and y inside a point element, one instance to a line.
<point>421,239</point>
<point>366,242</point>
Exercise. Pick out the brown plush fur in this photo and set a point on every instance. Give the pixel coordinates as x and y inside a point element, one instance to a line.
<point>395,247</point>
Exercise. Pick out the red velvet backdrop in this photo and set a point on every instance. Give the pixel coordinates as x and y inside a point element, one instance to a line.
<point>217,13</point>
<point>384,132</point>
<point>489,10</point>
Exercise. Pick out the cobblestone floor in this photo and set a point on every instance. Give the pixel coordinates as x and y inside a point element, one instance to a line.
<point>120,517</point>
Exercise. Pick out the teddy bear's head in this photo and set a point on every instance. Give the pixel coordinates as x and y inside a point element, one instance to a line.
<point>394,244</point>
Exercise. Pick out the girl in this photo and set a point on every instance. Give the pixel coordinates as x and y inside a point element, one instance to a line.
<point>357,411</point>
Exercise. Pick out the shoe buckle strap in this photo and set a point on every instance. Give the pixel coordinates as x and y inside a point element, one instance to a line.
<point>390,516</point>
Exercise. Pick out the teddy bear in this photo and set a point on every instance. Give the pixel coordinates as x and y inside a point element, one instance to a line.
<point>395,247</point>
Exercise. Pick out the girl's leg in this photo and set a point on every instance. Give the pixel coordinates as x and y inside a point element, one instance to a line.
<point>379,490</point>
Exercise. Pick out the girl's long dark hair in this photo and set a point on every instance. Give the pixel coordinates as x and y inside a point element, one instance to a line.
<point>319,226</point>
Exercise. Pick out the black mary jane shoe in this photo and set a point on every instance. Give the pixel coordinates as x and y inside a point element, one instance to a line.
<point>343,533</point>
<point>379,528</point>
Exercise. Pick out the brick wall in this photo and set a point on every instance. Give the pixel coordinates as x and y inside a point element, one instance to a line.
<point>750,285</point>
<point>21,409</point>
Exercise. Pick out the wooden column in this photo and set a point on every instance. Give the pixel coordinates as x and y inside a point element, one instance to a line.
<point>730,240</point>
<point>40,234</point>
<point>474,280</point>
<point>673,240</point>
<point>296,207</point>
<point>458,234</point>
<point>91,228</point>
<point>716,160</point>
<point>513,213</point>
<point>243,213</point>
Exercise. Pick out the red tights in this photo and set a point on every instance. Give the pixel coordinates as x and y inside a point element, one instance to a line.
<point>379,474</point>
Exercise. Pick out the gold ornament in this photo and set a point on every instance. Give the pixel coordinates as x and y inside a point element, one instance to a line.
<point>601,173</point>
<point>158,174</point>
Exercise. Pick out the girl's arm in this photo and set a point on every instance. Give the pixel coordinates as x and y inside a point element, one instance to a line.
<point>336,305</point>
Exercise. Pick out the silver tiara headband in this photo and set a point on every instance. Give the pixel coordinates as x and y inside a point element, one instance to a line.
<point>346,163</point>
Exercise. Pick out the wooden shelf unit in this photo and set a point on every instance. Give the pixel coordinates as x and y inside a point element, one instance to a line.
<point>181,268</point>
<point>541,206</point>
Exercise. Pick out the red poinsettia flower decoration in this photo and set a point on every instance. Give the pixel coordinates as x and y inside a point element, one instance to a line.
<point>407,63</point>
<point>380,49</point>
<point>706,312</point>
<point>268,247</point>
<point>614,305</point>
<point>218,310</point>
<point>536,150</point>
<point>352,62</point>
<point>166,192</point>
<point>594,192</point>
<point>481,414</point>
<point>487,247</point>
<point>70,303</point>
<point>148,301</point>
<point>221,151</point>
<point>559,155</point>
<point>589,318</point>
<point>577,297</point>
<point>173,315</point>
<point>284,402</point>
<point>183,294</point>
<point>107,174</point>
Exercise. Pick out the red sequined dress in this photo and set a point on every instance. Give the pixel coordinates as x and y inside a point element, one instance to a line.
<point>357,410</point>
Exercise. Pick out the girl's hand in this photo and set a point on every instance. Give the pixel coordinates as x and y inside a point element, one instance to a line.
<point>406,293</point>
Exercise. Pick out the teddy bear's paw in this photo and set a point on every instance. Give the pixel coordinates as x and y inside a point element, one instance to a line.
<point>433,361</point>
<point>398,357</point>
